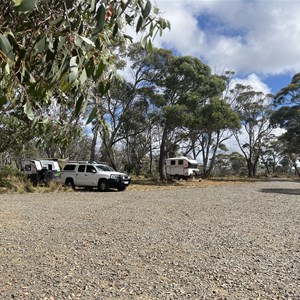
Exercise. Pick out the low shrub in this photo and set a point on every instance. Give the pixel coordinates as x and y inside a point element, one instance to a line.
<point>12,180</point>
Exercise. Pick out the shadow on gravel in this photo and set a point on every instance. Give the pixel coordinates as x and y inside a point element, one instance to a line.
<point>274,179</point>
<point>281,191</point>
<point>83,190</point>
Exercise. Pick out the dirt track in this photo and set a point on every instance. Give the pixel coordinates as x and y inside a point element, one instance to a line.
<point>238,241</point>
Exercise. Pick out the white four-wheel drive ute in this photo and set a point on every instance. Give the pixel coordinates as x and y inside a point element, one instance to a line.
<point>93,175</point>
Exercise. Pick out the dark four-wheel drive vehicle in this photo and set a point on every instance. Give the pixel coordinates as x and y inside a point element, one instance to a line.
<point>93,175</point>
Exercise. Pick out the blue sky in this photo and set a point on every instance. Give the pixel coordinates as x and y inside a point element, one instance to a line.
<point>257,39</point>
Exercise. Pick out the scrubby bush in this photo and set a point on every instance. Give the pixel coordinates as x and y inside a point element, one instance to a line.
<point>12,180</point>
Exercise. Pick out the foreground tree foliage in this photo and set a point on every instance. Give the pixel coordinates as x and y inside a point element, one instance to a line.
<point>56,53</point>
<point>58,48</point>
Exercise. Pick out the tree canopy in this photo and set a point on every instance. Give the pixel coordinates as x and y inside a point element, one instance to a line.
<point>289,94</point>
<point>58,48</point>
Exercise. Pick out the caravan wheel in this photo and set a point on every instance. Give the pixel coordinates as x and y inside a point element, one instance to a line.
<point>34,179</point>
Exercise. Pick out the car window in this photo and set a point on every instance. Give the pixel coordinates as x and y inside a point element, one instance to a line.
<point>81,168</point>
<point>69,167</point>
<point>105,168</point>
<point>90,169</point>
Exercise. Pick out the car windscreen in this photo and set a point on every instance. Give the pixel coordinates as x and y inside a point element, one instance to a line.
<point>193,166</point>
<point>105,168</point>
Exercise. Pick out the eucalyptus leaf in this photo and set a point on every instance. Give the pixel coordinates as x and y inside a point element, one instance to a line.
<point>31,78</point>
<point>24,5</point>
<point>139,24</point>
<point>7,69</point>
<point>146,11</point>
<point>40,45</point>
<point>78,105</point>
<point>83,77</point>
<point>100,18</point>
<point>100,69</point>
<point>3,101</point>
<point>156,10</point>
<point>28,110</point>
<point>73,75</point>
<point>87,41</point>
<point>6,47</point>
<point>92,115</point>
<point>115,30</point>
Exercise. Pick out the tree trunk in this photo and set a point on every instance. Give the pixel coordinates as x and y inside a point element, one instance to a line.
<point>296,169</point>
<point>205,144</point>
<point>251,169</point>
<point>94,142</point>
<point>150,152</point>
<point>163,156</point>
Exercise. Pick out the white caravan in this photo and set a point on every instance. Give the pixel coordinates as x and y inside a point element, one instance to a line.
<point>181,167</point>
<point>41,170</point>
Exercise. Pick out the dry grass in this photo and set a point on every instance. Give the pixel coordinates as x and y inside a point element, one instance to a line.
<point>15,184</point>
<point>152,184</point>
<point>12,181</point>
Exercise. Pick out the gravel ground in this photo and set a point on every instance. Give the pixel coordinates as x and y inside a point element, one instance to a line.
<point>227,242</point>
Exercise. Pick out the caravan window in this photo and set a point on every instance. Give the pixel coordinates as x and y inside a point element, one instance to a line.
<point>180,162</point>
<point>173,162</point>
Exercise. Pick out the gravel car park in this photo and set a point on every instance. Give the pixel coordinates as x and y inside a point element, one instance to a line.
<point>228,242</point>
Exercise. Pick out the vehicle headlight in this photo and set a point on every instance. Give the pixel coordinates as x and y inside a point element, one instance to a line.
<point>114,176</point>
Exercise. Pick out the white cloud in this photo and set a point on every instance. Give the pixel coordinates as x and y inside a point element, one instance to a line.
<point>245,36</point>
<point>254,81</point>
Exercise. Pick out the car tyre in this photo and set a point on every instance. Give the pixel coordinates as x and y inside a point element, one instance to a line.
<point>103,186</point>
<point>70,183</point>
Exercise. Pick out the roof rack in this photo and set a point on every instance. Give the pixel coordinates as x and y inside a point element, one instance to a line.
<point>81,162</point>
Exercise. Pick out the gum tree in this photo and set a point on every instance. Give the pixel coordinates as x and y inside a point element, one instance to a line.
<point>254,110</point>
<point>287,117</point>
<point>180,87</point>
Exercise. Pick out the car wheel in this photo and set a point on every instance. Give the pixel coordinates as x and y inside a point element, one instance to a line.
<point>103,186</point>
<point>70,183</point>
